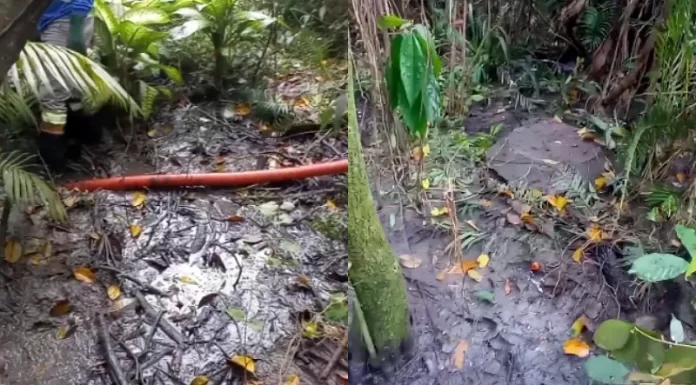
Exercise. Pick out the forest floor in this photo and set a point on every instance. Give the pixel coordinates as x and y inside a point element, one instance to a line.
<point>237,286</point>
<point>505,320</point>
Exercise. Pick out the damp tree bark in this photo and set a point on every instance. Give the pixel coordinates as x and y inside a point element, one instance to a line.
<point>382,307</point>
<point>18,21</point>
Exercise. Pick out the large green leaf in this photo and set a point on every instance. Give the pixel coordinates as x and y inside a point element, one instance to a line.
<point>431,96</point>
<point>678,359</point>
<point>658,267</point>
<point>412,62</point>
<point>138,37</point>
<point>428,42</point>
<point>393,72</point>
<point>606,371</point>
<point>390,21</point>
<point>687,236</point>
<point>147,16</point>
<point>413,114</point>
<point>613,334</point>
<point>188,28</point>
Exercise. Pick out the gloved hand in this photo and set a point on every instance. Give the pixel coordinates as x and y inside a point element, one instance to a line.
<point>76,36</point>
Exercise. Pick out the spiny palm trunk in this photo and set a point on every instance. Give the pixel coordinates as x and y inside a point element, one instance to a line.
<point>374,272</point>
<point>18,23</point>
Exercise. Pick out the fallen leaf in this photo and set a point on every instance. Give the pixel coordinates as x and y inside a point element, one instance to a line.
<point>219,160</point>
<point>535,266</point>
<point>508,287</point>
<point>245,362</point>
<point>304,282</point>
<point>468,265</point>
<point>550,162</point>
<point>436,212</point>
<point>472,224</point>
<point>152,133</point>
<point>586,134</point>
<point>293,379</point>
<point>485,203</point>
<point>578,253</point>
<point>681,177</point>
<point>269,209</point>
<point>410,261</point>
<point>70,201</point>
<point>47,249</point>
<point>302,102</point>
<point>331,205</point>
<point>483,260</point>
<point>65,330</point>
<point>123,303</point>
<point>187,280</point>
<point>426,150</point>
<point>577,326</point>
<point>138,199</point>
<point>442,274</point>
<point>527,218</point>
<point>135,230</point>
<point>486,296</point>
<point>459,353</point>
<point>342,377</point>
<point>417,153</point>
<point>504,190</point>
<point>513,218</point>
<point>594,233</point>
<point>60,308</point>
<point>207,299</point>
<point>425,183</point>
<point>113,291</point>
<point>310,329</point>
<point>95,236</point>
<point>84,274</point>
<point>557,118</point>
<point>241,110</point>
<point>13,251</point>
<point>475,275</point>
<point>576,347</point>
<point>557,201</point>
<point>200,380</point>
<point>235,218</point>
<point>600,182</point>
<point>36,259</point>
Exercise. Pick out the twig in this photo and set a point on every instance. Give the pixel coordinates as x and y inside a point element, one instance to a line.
<point>112,362</point>
<point>148,340</point>
<point>155,358</point>
<point>167,327</point>
<point>338,352</point>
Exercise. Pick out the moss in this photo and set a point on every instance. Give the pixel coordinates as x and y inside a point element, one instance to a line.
<point>331,226</point>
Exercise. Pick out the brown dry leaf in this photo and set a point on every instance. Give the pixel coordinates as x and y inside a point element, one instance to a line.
<point>70,201</point>
<point>527,218</point>
<point>235,218</point>
<point>576,347</point>
<point>557,201</point>
<point>200,380</point>
<point>417,153</point>
<point>579,324</point>
<point>293,379</point>
<point>506,191</point>
<point>513,218</point>
<point>467,265</point>
<point>600,182</point>
<point>578,253</point>
<point>113,291</point>
<point>60,308</point>
<point>245,362</point>
<point>187,280</point>
<point>410,261</point>
<point>475,275</point>
<point>135,230</point>
<point>13,251</point>
<point>84,274</point>
<point>594,233</point>
<point>508,287</point>
<point>483,260</point>
<point>681,177</point>
<point>241,110</point>
<point>302,102</point>
<point>138,199</point>
<point>442,274</point>
<point>459,354</point>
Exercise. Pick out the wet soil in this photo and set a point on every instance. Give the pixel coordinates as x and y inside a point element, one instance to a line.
<point>214,273</point>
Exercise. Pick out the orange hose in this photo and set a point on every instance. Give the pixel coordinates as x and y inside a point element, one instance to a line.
<point>229,179</point>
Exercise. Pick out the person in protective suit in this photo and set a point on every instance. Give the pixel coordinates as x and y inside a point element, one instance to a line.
<point>67,23</point>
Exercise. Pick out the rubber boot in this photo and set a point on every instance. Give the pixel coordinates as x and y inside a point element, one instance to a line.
<point>52,145</point>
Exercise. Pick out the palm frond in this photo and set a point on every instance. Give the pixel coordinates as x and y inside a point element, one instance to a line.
<point>46,65</point>
<point>26,188</point>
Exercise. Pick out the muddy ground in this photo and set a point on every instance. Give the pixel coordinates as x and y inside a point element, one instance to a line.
<point>214,273</point>
<point>518,339</point>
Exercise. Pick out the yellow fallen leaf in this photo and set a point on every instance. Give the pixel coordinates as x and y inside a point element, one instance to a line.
<point>331,205</point>
<point>138,199</point>
<point>594,233</point>
<point>64,331</point>
<point>136,230</point>
<point>200,380</point>
<point>425,183</point>
<point>459,353</point>
<point>310,329</point>
<point>475,275</point>
<point>576,347</point>
<point>557,201</point>
<point>245,362</point>
<point>466,266</point>
<point>152,133</point>
<point>293,379</point>
<point>586,134</point>
<point>302,102</point>
<point>410,261</point>
<point>436,212</point>
<point>681,177</point>
<point>426,150</point>
<point>13,251</point>
<point>483,260</point>
<point>113,291</point>
<point>84,274</point>
<point>187,280</point>
<point>579,324</point>
<point>600,182</point>
<point>578,253</point>
<point>527,218</point>
<point>241,110</point>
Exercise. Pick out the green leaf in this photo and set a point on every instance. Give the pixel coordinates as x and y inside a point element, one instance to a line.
<point>413,114</point>
<point>486,296</point>
<point>393,72</point>
<point>477,98</point>
<point>412,68</point>
<point>678,359</point>
<point>613,334</point>
<point>147,16</point>
<point>687,236</point>
<point>658,267</point>
<point>606,371</point>
<point>236,314</point>
<point>188,28</point>
<point>431,96</point>
<point>390,21</point>
<point>428,43</point>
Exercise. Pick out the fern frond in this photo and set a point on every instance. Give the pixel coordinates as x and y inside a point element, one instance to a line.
<point>26,188</point>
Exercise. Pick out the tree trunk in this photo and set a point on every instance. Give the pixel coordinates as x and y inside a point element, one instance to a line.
<point>18,23</point>
<point>374,271</point>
